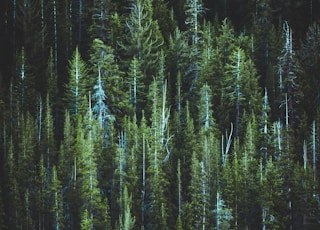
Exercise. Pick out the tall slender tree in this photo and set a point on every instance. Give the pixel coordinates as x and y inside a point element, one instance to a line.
<point>78,85</point>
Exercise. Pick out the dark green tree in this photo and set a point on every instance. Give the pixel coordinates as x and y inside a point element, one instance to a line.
<point>241,91</point>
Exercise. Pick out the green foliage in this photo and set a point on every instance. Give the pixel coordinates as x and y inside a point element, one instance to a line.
<point>126,220</point>
<point>78,84</point>
<point>241,91</point>
<point>169,119</point>
<point>104,65</point>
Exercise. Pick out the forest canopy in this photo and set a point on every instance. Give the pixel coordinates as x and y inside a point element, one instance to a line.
<point>159,114</point>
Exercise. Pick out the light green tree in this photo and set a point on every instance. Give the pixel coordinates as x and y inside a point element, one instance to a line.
<point>78,84</point>
<point>126,218</point>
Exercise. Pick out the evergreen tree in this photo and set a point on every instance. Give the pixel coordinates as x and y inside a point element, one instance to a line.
<point>158,156</point>
<point>100,109</point>
<point>193,10</point>
<point>87,171</point>
<point>24,92</point>
<point>56,205</point>
<point>309,59</point>
<point>13,202</point>
<point>126,220</point>
<point>144,38</point>
<point>51,79</point>
<point>105,67</point>
<point>226,41</point>
<point>136,84</point>
<point>101,15</point>
<point>288,72</point>
<point>78,84</point>
<point>240,88</point>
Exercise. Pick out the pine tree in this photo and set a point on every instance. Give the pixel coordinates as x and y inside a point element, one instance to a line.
<point>101,12</point>
<point>24,91</point>
<point>13,202</point>
<point>193,10</point>
<point>158,156</point>
<point>310,64</point>
<point>56,203</point>
<point>288,72</point>
<point>126,219</point>
<point>78,84</point>
<point>226,43</point>
<point>100,108</point>
<point>48,143</point>
<point>87,170</point>
<point>51,79</point>
<point>198,193</point>
<point>240,88</point>
<point>136,85</point>
<point>104,66</point>
<point>144,38</point>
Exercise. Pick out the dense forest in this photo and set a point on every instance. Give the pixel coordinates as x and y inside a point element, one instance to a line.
<point>159,114</point>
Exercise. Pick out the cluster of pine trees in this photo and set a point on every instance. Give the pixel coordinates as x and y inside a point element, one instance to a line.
<point>149,114</point>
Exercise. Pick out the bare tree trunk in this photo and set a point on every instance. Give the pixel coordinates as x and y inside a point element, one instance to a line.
<point>143,179</point>
<point>55,34</point>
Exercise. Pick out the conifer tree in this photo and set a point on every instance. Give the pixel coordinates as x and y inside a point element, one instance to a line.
<point>101,11</point>
<point>198,195</point>
<point>56,203</point>
<point>24,92</point>
<point>186,150</point>
<point>288,72</point>
<point>193,10</point>
<point>136,84</point>
<point>78,84</point>
<point>240,88</point>
<point>226,40</point>
<point>48,143</point>
<point>309,59</point>
<point>87,170</point>
<point>104,66</point>
<point>126,219</point>
<point>51,79</point>
<point>144,38</point>
<point>158,156</point>
<point>100,108</point>
<point>13,202</point>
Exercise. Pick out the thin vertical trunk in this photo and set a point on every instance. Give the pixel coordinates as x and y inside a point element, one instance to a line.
<point>134,85</point>
<point>75,172</point>
<point>55,34</point>
<point>80,21</point>
<point>204,194</point>
<point>314,154</point>
<point>42,26</point>
<point>143,179</point>
<point>70,29</point>
<point>14,25</point>
<point>56,202</point>
<point>218,211</point>
<point>40,119</point>
<point>207,107</point>
<point>179,188</point>
<point>305,157</point>
<point>77,76</point>
<point>287,112</point>
<point>4,141</point>
<point>238,94</point>
<point>311,9</point>
<point>264,216</point>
